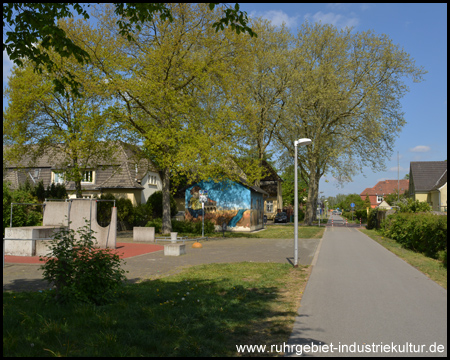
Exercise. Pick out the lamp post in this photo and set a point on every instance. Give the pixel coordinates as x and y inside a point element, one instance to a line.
<point>297,142</point>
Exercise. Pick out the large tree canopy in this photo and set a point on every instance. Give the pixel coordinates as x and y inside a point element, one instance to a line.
<point>171,86</point>
<point>70,129</point>
<point>345,97</point>
<point>28,24</point>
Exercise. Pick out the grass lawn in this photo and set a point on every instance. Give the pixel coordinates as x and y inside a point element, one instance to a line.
<point>430,267</point>
<point>270,232</point>
<point>281,232</point>
<point>205,310</point>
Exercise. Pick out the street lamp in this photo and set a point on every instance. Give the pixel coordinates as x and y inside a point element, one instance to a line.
<point>297,142</point>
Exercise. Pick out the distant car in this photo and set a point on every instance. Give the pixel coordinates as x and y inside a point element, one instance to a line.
<point>337,212</point>
<point>281,217</point>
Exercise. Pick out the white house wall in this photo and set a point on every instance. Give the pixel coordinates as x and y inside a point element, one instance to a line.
<point>150,188</point>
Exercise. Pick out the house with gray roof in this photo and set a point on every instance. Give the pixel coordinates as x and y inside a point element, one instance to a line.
<point>428,182</point>
<point>127,174</point>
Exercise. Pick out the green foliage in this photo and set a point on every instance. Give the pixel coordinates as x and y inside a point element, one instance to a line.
<point>34,23</point>
<point>372,220</point>
<point>357,214</point>
<point>408,205</point>
<point>127,213</point>
<point>23,215</point>
<point>287,187</point>
<point>53,191</point>
<point>80,271</point>
<point>367,202</point>
<point>392,199</point>
<point>352,198</point>
<point>442,256</point>
<point>424,233</point>
<point>156,223</point>
<point>155,204</point>
<point>104,208</point>
<point>125,210</point>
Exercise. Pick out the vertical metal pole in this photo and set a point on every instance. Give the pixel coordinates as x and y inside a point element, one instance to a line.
<point>203,219</point>
<point>10,219</point>
<point>295,209</point>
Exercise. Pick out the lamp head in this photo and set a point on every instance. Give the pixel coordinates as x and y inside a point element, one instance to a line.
<point>303,141</point>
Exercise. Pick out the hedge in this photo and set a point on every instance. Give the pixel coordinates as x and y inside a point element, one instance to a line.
<point>422,232</point>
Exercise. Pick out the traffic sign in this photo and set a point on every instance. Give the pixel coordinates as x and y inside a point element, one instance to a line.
<point>352,204</point>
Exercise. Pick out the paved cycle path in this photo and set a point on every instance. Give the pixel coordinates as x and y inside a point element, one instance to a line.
<point>359,293</point>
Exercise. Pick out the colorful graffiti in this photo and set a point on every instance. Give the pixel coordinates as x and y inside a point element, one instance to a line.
<point>228,202</point>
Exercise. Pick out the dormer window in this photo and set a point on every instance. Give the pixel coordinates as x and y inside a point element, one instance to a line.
<point>58,178</point>
<point>379,198</point>
<point>88,176</point>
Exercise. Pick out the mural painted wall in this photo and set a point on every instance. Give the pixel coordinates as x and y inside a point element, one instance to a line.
<point>227,202</point>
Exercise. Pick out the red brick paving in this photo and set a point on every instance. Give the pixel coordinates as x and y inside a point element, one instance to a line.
<point>125,250</point>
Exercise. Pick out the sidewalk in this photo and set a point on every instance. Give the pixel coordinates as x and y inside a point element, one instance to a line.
<point>28,277</point>
<point>359,293</point>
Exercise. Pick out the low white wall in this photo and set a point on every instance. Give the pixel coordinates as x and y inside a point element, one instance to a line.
<point>143,234</point>
<point>29,247</point>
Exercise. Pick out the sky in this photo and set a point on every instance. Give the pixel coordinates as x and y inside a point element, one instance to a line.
<point>421,30</point>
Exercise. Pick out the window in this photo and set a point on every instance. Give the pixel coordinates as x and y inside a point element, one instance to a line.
<point>88,176</point>
<point>151,180</point>
<point>379,198</point>
<point>269,206</point>
<point>58,178</point>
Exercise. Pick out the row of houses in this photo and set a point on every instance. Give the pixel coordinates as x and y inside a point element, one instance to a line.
<point>128,174</point>
<point>427,182</point>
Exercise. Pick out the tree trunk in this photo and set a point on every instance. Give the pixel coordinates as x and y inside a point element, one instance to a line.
<point>78,192</point>
<point>310,203</point>
<point>166,219</point>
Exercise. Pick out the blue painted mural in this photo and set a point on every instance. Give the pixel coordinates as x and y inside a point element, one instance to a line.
<point>227,202</point>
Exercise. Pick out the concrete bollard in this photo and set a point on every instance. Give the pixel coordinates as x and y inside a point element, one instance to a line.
<point>173,237</point>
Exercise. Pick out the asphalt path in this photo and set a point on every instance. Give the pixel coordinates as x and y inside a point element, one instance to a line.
<point>361,296</point>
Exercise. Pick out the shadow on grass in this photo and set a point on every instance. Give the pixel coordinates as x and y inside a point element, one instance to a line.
<point>165,317</point>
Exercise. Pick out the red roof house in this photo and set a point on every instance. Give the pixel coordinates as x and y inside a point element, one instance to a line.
<point>383,188</point>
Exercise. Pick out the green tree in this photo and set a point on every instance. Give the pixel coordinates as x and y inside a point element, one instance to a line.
<point>262,78</point>
<point>346,98</point>
<point>167,84</point>
<point>70,130</point>
<point>367,202</point>
<point>287,187</point>
<point>27,24</point>
<point>22,215</point>
<point>351,198</point>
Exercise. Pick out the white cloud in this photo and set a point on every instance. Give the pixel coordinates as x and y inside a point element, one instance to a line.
<point>340,21</point>
<point>7,66</point>
<point>420,148</point>
<point>277,17</point>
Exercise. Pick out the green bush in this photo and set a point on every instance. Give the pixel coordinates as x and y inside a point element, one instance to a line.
<point>372,219</point>
<point>79,271</point>
<point>209,227</point>
<point>183,226</point>
<point>53,191</point>
<point>156,223</point>
<point>408,205</point>
<point>155,205</point>
<point>23,215</point>
<point>442,256</point>
<point>301,215</point>
<point>421,232</point>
